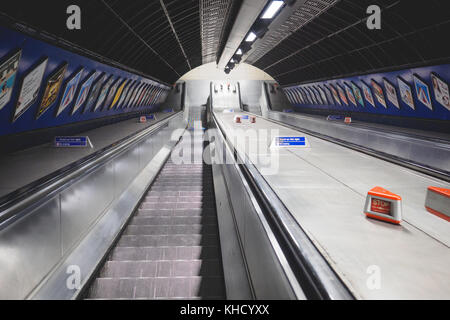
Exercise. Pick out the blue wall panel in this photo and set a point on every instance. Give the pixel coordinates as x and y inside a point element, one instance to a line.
<point>438,112</point>
<point>32,51</point>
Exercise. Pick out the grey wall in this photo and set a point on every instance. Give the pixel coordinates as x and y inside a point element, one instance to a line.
<point>198,92</point>
<point>175,98</point>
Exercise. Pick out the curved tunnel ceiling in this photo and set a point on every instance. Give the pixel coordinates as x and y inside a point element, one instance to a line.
<point>166,39</point>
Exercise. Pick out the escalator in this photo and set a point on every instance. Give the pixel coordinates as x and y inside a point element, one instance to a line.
<point>170,249</point>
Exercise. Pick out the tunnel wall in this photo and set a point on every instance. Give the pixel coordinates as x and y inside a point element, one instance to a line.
<point>33,53</point>
<point>403,102</point>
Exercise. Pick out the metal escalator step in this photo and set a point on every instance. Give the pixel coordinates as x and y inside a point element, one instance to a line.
<point>172,220</point>
<point>170,249</point>
<point>169,240</point>
<point>170,230</point>
<point>177,212</point>
<point>164,253</point>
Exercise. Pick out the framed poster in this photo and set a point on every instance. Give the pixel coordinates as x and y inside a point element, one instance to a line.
<point>335,95</point>
<point>8,73</point>
<point>423,92</point>
<point>329,94</point>
<point>111,94</point>
<point>378,90</point>
<point>103,92</point>
<point>368,94</point>
<point>84,91</point>
<point>316,95</point>
<point>308,94</point>
<point>298,98</point>
<point>29,91</point>
<point>51,93</point>
<point>323,95</point>
<point>406,93</point>
<point>124,94</point>
<point>391,93</point>
<point>358,95</point>
<point>141,96</point>
<point>312,95</point>
<point>441,92</point>
<point>342,94</point>
<point>288,95</point>
<point>136,93</point>
<point>95,93</point>
<point>118,94</point>
<point>350,95</point>
<point>69,92</point>
<point>129,95</point>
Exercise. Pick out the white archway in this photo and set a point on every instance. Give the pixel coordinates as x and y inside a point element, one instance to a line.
<point>242,71</point>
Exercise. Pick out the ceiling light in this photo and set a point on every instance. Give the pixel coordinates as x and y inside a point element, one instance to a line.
<point>251,37</point>
<point>272,10</point>
<point>239,52</point>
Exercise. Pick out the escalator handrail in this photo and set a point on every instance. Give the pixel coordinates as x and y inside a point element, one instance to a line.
<point>13,204</point>
<point>305,259</point>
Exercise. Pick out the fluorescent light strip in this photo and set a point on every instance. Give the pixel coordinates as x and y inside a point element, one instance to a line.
<point>251,37</point>
<point>239,52</point>
<point>272,10</point>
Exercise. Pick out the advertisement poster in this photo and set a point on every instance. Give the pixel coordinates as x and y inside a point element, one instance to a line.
<point>52,90</point>
<point>358,95</point>
<point>323,95</point>
<point>290,95</point>
<point>423,92</point>
<point>329,95</point>
<point>312,95</point>
<point>406,93</point>
<point>441,92</point>
<point>95,92</point>
<point>118,94</point>
<point>342,95</point>
<point>84,91</point>
<point>287,92</point>
<point>103,92</point>
<point>350,95</point>
<point>335,95</point>
<point>136,93</point>
<point>378,90</point>
<point>141,98</point>
<point>124,94</point>
<point>368,94</point>
<point>129,94</point>
<point>8,72</point>
<point>111,94</point>
<point>30,89</point>
<point>316,95</point>
<point>391,93</point>
<point>299,93</point>
<point>69,92</point>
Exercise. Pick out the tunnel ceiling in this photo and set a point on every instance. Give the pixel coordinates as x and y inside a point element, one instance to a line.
<point>161,38</point>
<point>336,42</point>
<point>322,39</point>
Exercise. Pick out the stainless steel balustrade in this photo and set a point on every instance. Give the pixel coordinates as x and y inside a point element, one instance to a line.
<point>427,155</point>
<point>271,274</point>
<point>39,232</point>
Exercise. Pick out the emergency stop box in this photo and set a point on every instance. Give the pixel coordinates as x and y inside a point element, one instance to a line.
<point>383,205</point>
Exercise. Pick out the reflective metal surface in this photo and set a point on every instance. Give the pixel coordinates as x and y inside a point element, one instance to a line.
<point>33,241</point>
<point>434,154</point>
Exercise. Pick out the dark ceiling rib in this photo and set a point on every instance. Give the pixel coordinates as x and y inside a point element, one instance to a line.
<point>175,32</point>
<point>139,37</point>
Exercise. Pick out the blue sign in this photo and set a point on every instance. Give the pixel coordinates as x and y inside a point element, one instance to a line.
<point>245,118</point>
<point>290,141</point>
<point>72,142</point>
<point>335,118</point>
<point>288,111</point>
<point>151,117</point>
